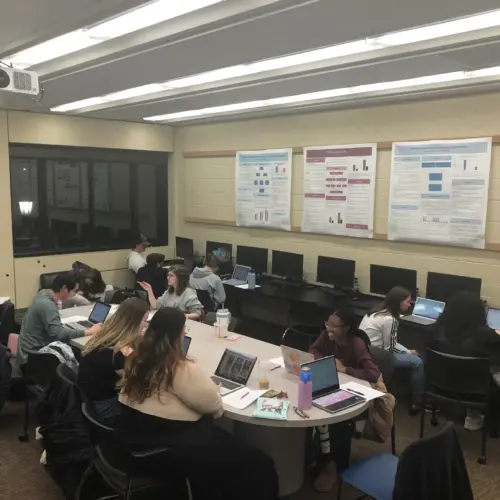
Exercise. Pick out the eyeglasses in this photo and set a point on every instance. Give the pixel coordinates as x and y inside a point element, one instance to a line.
<point>333,328</point>
<point>300,413</point>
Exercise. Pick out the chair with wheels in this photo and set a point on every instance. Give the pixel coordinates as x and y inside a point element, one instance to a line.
<point>462,381</point>
<point>120,474</point>
<point>432,467</point>
<point>300,337</point>
<point>206,301</point>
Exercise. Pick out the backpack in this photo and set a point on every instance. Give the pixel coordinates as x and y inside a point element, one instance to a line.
<point>5,374</point>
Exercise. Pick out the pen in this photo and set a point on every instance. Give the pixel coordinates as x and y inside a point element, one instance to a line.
<point>356,392</point>
<point>275,368</point>
<point>245,395</point>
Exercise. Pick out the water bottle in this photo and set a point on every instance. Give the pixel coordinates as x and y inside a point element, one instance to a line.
<point>251,280</point>
<point>305,389</point>
<point>222,322</point>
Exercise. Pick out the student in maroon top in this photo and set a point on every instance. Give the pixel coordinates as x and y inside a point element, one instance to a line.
<point>342,339</point>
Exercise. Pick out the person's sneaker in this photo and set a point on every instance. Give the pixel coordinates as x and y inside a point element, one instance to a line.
<point>474,423</point>
<point>326,479</point>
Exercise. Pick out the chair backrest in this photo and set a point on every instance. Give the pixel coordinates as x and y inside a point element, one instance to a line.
<point>433,467</point>
<point>99,432</point>
<point>12,343</point>
<point>385,361</point>
<point>47,279</point>
<point>206,300</point>
<point>41,367</point>
<point>8,322</point>
<point>67,374</point>
<point>457,375</point>
<point>300,337</point>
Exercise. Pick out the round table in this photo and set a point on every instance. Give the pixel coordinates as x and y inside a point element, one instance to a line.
<point>284,441</point>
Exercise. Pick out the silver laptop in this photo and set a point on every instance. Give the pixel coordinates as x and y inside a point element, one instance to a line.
<point>293,359</point>
<point>233,371</point>
<point>99,314</point>
<point>425,312</point>
<point>239,277</point>
<point>494,318</point>
<point>326,391</point>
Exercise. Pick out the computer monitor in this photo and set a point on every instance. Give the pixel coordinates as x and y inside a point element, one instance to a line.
<point>253,257</point>
<point>184,247</point>
<point>288,265</point>
<point>337,272</point>
<point>444,286</point>
<point>223,251</point>
<point>384,278</point>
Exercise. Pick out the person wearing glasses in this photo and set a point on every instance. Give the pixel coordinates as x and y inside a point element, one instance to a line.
<point>342,339</point>
<point>179,294</point>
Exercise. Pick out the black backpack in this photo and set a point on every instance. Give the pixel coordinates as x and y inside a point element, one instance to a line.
<point>5,374</point>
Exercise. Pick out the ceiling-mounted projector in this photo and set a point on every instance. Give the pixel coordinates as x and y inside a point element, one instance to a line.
<point>19,81</point>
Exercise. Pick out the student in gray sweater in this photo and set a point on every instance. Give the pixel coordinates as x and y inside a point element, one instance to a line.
<point>205,278</point>
<point>179,294</point>
<point>42,323</point>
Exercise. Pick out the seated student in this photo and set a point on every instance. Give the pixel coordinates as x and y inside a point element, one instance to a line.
<point>342,339</point>
<point>168,400</point>
<point>136,259</point>
<point>103,357</point>
<point>42,323</point>
<point>91,286</point>
<point>179,294</point>
<point>205,278</point>
<point>462,330</point>
<point>381,326</point>
<point>154,274</point>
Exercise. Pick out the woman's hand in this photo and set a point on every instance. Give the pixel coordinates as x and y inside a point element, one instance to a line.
<point>340,365</point>
<point>145,286</point>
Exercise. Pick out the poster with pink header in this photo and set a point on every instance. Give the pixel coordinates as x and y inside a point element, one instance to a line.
<point>339,190</point>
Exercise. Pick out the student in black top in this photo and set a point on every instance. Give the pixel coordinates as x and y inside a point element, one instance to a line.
<point>462,330</point>
<point>154,274</point>
<point>104,357</point>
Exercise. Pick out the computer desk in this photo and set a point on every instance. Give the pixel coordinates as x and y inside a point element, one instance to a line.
<point>284,441</point>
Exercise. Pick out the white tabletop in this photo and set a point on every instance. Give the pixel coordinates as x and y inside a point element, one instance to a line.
<point>206,349</point>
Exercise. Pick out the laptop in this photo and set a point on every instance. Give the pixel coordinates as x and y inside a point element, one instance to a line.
<point>494,318</point>
<point>326,391</point>
<point>293,359</point>
<point>98,314</point>
<point>239,277</point>
<point>425,312</point>
<point>186,342</point>
<point>233,371</point>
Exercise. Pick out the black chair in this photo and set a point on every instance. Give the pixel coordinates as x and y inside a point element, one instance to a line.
<point>300,337</point>
<point>123,479</point>
<point>206,301</point>
<point>67,374</point>
<point>462,381</point>
<point>37,374</point>
<point>47,279</point>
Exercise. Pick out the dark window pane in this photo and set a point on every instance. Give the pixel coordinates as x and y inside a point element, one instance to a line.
<point>147,201</point>
<point>26,226</point>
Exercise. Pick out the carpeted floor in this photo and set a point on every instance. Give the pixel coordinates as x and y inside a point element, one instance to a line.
<point>21,475</point>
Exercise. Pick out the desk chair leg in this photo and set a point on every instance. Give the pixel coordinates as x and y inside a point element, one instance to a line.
<point>24,436</point>
<point>128,494</point>
<point>393,438</point>
<point>422,420</point>
<point>339,489</point>
<point>482,459</point>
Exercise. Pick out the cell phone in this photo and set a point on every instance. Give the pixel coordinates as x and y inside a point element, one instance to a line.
<point>271,393</point>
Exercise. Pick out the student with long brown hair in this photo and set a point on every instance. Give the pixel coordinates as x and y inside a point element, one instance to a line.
<point>104,356</point>
<point>168,400</point>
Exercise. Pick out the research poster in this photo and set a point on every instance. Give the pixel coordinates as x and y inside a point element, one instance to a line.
<point>263,188</point>
<point>339,190</point>
<point>439,191</point>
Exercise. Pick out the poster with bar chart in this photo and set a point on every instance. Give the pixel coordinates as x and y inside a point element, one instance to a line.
<point>439,191</point>
<point>263,188</point>
<point>339,190</point>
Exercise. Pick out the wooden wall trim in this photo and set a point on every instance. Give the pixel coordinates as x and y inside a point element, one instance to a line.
<point>297,150</point>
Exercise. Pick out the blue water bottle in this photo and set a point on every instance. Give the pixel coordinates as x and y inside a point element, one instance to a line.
<point>251,280</point>
<point>305,389</point>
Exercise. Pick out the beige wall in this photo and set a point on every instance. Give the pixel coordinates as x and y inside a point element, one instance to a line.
<point>207,183</point>
<point>19,277</point>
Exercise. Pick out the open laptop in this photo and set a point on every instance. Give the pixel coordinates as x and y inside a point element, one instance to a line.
<point>98,314</point>
<point>293,359</point>
<point>186,342</point>
<point>233,371</point>
<point>425,312</point>
<point>494,318</point>
<point>239,277</point>
<point>326,391</point>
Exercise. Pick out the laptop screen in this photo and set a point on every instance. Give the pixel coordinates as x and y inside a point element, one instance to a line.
<point>428,308</point>
<point>240,273</point>
<point>186,342</point>
<point>236,366</point>
<point>324,374</point>
<point>99,313</point>
<point>494,318</point>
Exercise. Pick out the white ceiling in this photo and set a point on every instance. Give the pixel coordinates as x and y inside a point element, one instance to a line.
<point>232,32</point>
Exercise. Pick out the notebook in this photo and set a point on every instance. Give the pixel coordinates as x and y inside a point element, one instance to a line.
<point>272,408</point>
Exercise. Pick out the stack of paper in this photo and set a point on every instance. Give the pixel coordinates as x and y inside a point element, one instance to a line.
<point>242,398</point>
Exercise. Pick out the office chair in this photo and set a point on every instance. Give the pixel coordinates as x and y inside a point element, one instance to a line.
<point>462,381</point>
<point>300,337</point>
<point>206,301</point>
<point>47,279</point>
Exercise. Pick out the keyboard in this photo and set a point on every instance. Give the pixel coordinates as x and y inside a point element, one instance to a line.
<point>80,325</point>
<point>419,320</point>
<point>227,384</point>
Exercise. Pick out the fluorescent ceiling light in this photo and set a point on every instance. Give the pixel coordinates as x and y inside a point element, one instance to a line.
<point>331,94</point>
<point>142,17</point>
<point>415,35</point>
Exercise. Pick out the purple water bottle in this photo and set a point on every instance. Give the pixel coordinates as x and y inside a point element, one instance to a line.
<point>305,389</point>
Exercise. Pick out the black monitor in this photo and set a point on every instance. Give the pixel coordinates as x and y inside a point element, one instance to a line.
<point>288,265</point>
<point>184,247</point>
<point>337,272</point>
<point>253,257</point>
<point>444,286</point>
<point>384,278</point>
<point>223,251</point>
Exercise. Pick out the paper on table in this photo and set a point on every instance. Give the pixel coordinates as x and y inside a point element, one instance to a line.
<point>278,361</point>
<point>73,319</point>
<point>358,389</point>
<point>245,286</point>
<point>236,401</point>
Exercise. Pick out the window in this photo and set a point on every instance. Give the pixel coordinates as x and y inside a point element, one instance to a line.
<point>81,199</point>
